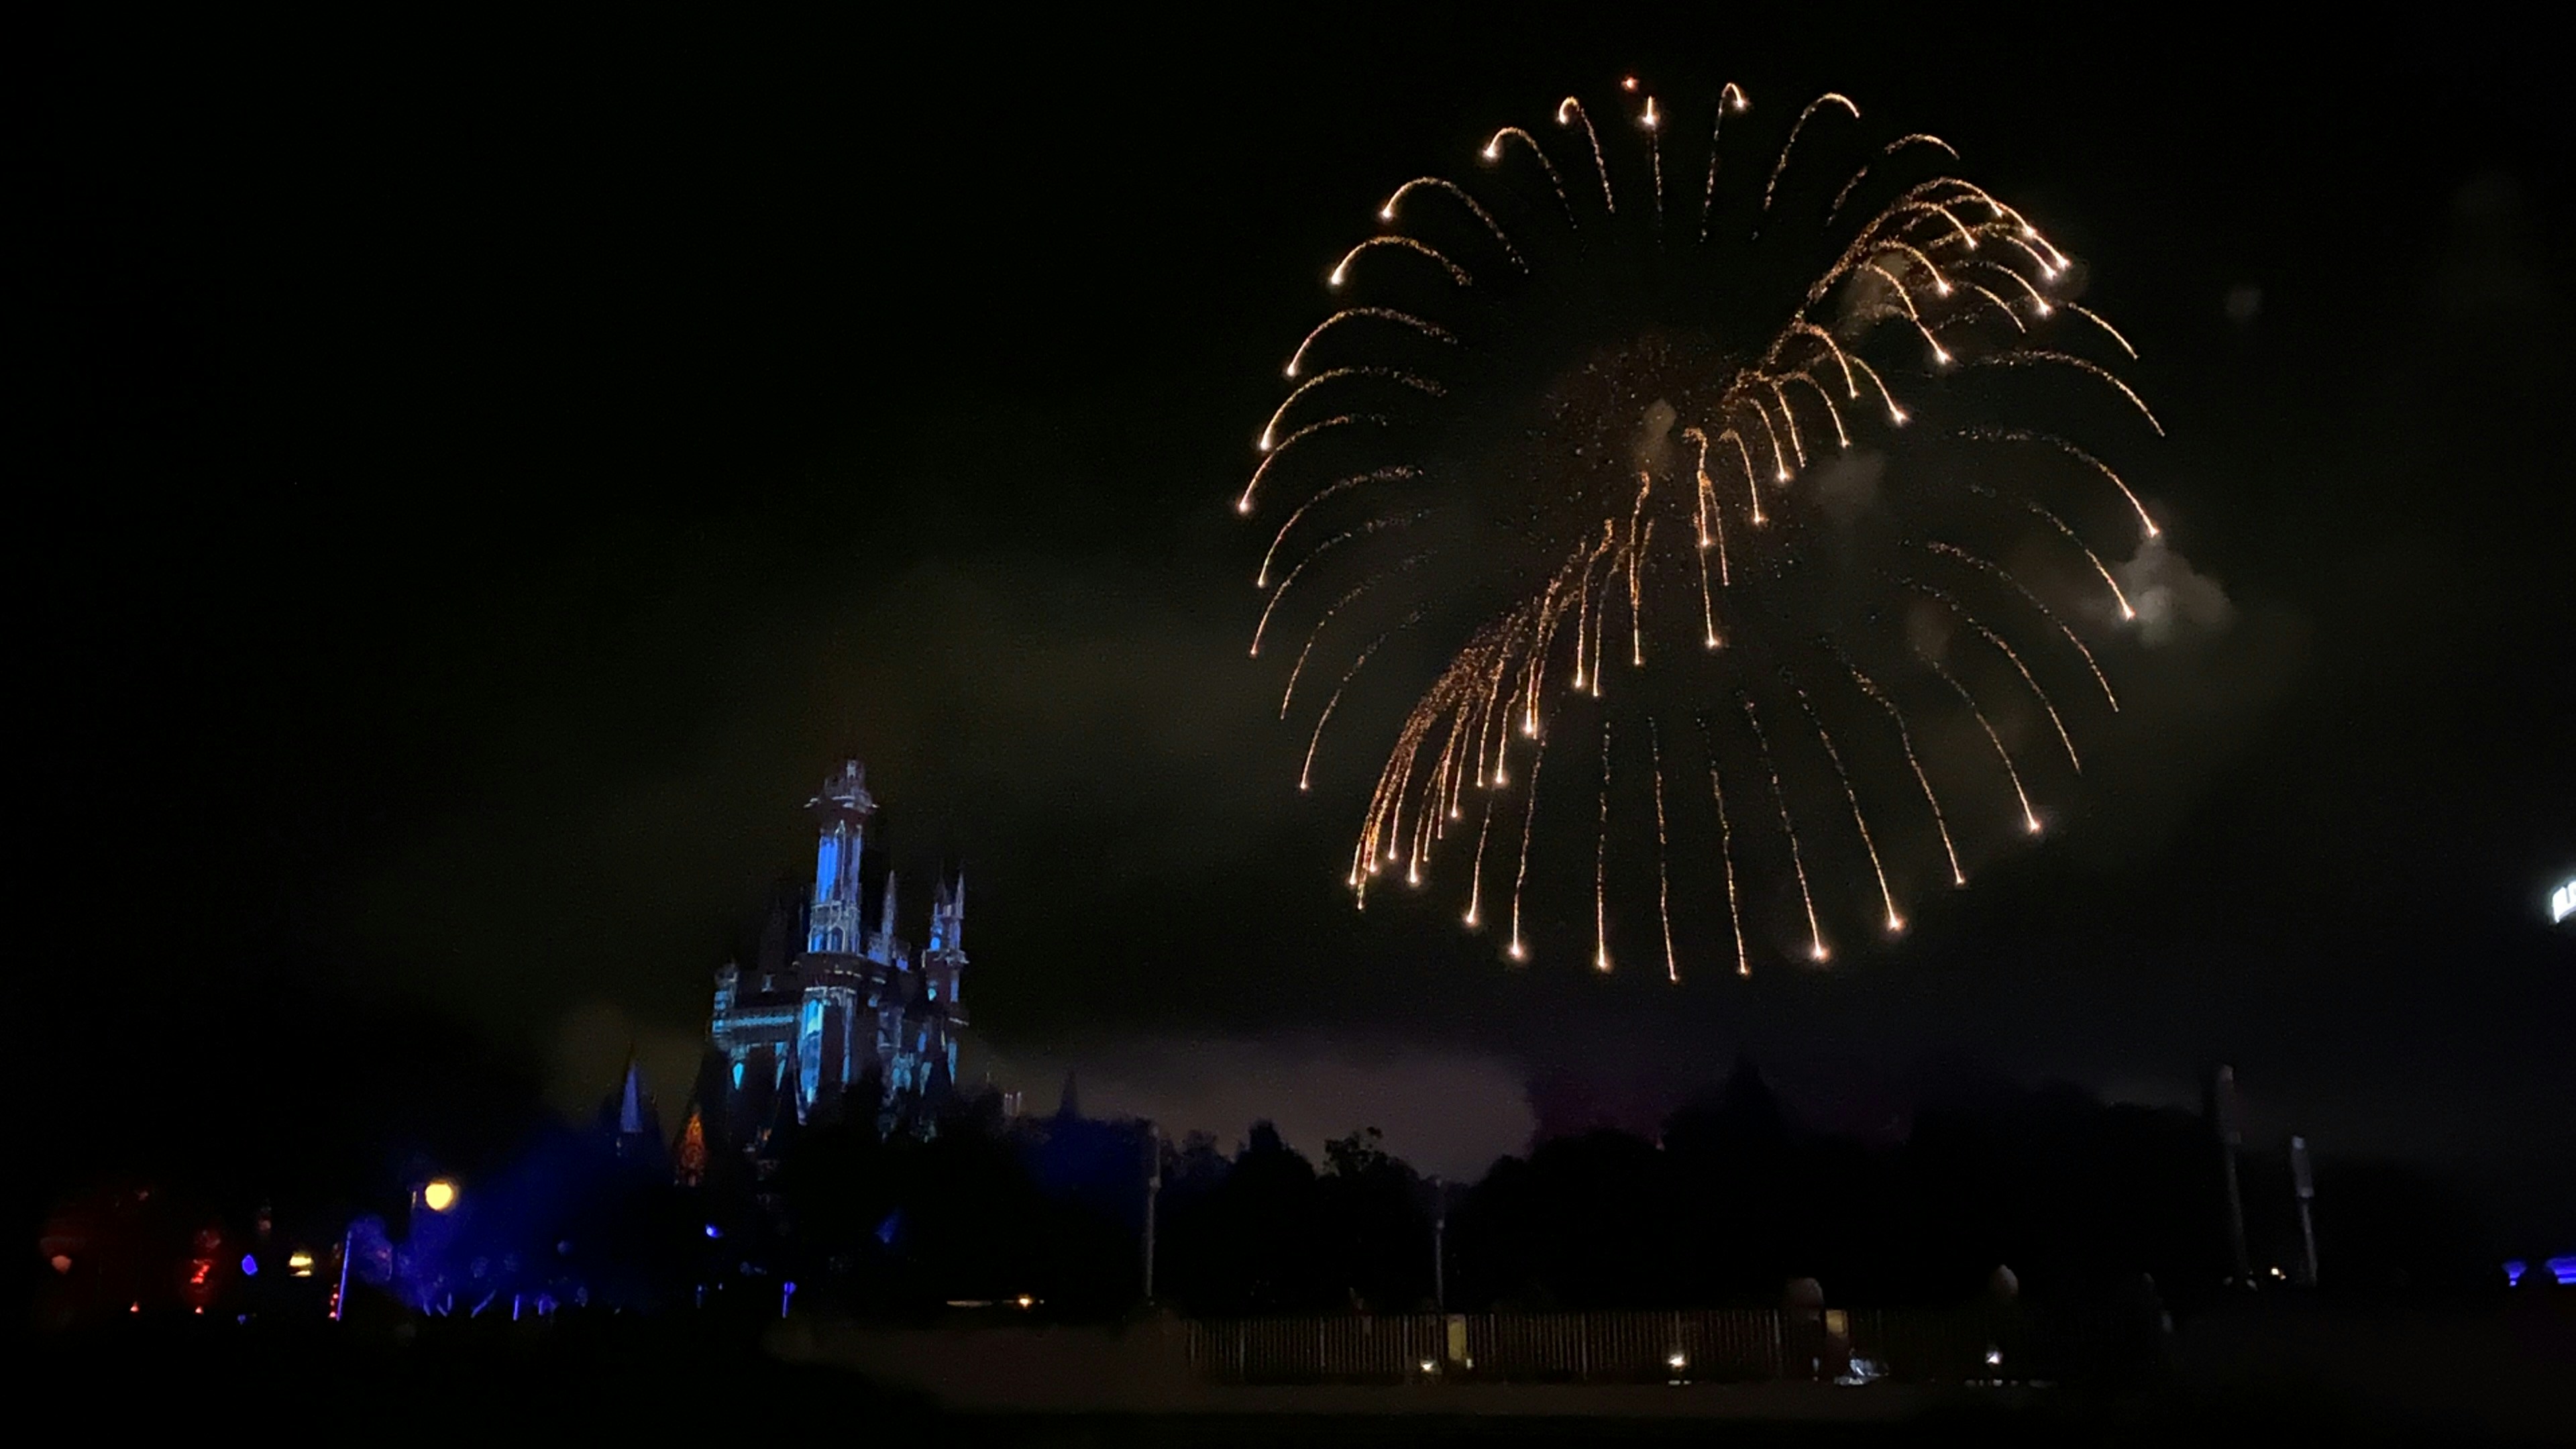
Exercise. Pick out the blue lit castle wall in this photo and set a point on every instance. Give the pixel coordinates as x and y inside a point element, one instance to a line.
<point>853,1005</point>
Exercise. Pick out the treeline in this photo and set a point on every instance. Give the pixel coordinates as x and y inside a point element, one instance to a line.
<point>1727,1203</point>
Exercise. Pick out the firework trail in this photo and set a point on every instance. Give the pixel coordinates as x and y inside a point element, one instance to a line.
<point>1771,188</point>
<point>1317,632</point>
<point>1397,375</point>
<point>1601,864</point>
<point>1273,455</point>
<point>1574,108</point>
<point>1663,844</point>
<point>2023,435</point>
<point>1725,850</point>
<point>1506,461</point>
<point>1432,330</point>
<point>1905,739</point>
<point>1895,922</point>
<point>1330,490</point>
<point>2118,596</point>
<point>1458,193</point>
<point>2013,656</point>
<point>1520,876</point>
<point>2000,572</point>
<point>2029,818</point>
<point>1729,98</point>
<point>1653,124</point>
<point>2083,365</point>
<point>1797,858</point>
<point>1341,271</point>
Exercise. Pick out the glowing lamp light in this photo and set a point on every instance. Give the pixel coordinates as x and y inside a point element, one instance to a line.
<point>1025,1301</point>
<point>300,1264</point>
<point>2562,901</point>
<point>1676,1361</point>
<point>249,1266</point>
<point>438,1195</point>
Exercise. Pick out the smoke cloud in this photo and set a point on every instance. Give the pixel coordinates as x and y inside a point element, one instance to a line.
<point>2173,601</point>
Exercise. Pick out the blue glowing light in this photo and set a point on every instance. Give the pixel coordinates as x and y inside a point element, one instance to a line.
<point>250,1266</point>
<point>2564,1270</point>
<point>737,1076</point>
<point>827,868</point>
<point>2513,1270</point>
<point>712,1231</point>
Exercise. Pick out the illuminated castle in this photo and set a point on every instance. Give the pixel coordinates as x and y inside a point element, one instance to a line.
<point>856,1010</point>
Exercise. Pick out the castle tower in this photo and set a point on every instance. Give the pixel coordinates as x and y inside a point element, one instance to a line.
<point>841,811</point>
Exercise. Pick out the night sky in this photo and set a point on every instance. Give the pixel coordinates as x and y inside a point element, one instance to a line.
<point>485,475</point>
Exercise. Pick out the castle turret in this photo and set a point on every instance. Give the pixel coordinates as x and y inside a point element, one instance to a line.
<point>943,963</point>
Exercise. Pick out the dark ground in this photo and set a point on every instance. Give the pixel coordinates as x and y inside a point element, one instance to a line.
<point>2299,1377</point>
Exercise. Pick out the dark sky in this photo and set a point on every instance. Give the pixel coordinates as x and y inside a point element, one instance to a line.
<point>485,474</point>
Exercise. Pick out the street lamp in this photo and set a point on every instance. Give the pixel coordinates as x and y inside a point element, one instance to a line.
<point>438,1195</point>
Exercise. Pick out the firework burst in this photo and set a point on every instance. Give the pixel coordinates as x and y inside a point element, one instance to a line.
<point>1566,469</point>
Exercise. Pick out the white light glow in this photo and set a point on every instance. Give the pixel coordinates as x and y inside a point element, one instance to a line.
<point>2562,901</point>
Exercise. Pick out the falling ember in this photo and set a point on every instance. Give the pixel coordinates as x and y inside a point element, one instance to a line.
<point>1401,448</point>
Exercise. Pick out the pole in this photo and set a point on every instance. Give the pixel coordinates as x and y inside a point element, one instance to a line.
<point>2223,1109</point>
<point>1153,1191</point>
<point>1440,1245</point>
<point>2304,1183</point>
<point>340,1300</point>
